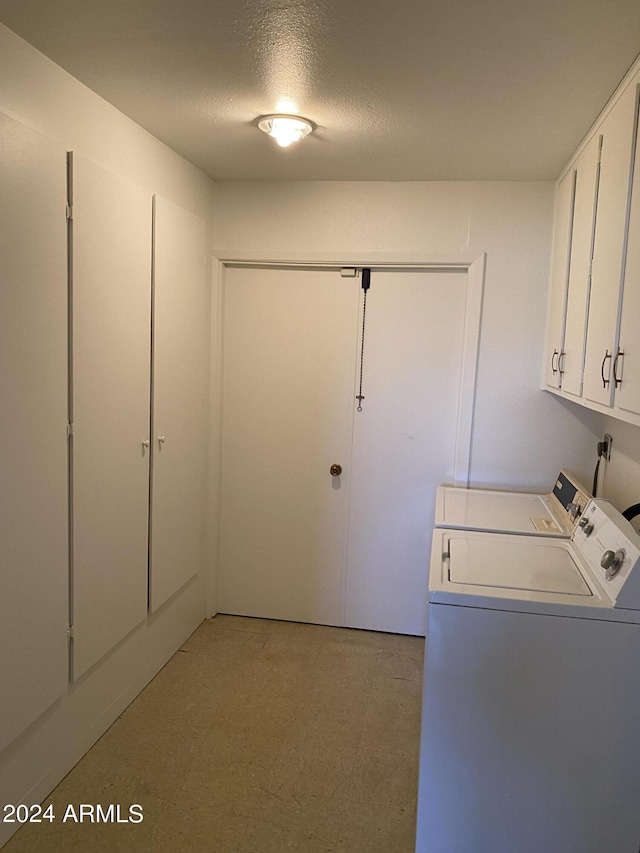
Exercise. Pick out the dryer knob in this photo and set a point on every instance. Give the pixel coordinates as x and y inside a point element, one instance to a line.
<point>585,525</point>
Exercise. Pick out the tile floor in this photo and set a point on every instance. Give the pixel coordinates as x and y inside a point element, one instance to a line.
<point>257,736</point>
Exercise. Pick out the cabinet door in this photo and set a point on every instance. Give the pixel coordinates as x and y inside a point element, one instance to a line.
<point>180,318</point>
<point>606,278</point>
<point>111,298</point>
<point>627,395</point>
<point>562,231</point>
<point>571,360</point>
<point>33,437</point>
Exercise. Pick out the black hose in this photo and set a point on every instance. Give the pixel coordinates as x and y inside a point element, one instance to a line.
<point>631,512</point>
<point>594,490</point>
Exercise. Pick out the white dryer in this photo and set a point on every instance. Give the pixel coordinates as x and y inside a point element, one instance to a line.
<point>555,514</point>
<point>530,735</point>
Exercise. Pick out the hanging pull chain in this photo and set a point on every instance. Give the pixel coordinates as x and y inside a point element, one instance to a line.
<point>366,283</point>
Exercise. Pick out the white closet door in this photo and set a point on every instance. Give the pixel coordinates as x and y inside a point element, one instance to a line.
<point>404,443</point>
<point>179,400</point>
<point>289,367</point>
<point>111,409</point>
<point>33,441</point>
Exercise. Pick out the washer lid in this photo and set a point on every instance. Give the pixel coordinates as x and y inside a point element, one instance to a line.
<point>513,512</point>
<point>493,562</point>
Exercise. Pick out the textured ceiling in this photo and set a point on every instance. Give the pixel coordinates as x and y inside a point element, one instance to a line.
<point>404,90</point>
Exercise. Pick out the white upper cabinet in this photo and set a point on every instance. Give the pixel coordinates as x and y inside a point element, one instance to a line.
<point>562,228</point>
<point>33,435</point>
<point>618,149</point>
<point>180,318</point>
<point>627,361</point>
<point>571,359</point>
<point>592,322</point>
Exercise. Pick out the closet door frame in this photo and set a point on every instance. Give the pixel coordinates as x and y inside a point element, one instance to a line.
<point>473,264</point>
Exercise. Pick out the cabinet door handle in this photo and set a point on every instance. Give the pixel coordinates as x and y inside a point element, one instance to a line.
<point>145,446</point>
<point>617,379</point>
<point>561,358</point>
<point>554,370</point>
<point>605,382</point>
<point>161,441</point>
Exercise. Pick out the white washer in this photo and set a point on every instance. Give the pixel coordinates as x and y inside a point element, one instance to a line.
<point>530,736</point>
<point>555,514</point>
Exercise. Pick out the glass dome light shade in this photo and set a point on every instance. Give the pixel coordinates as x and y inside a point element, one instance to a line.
<point>285,129</point>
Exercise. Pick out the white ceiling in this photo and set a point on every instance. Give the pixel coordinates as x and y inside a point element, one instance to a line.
<point>400,89</point>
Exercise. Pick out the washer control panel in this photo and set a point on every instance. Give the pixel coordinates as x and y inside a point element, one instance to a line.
<point>611,549</point>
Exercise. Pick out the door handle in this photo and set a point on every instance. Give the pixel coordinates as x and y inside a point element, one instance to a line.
<point>335,470</point>
<point>554,369</point>
<point>617,380</point>
<point>605,382</point>
<point>145,446</point>
<point>161,441</point>
<point>561,358</point>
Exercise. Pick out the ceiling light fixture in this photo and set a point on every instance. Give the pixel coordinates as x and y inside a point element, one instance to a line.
<point>285,129</point>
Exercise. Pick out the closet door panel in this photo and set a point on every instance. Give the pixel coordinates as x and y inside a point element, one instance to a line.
<point>617,148</point>
<point>33,440</point>
<point>111,408</point>
<point>288,399</point>
<point>179,400</point>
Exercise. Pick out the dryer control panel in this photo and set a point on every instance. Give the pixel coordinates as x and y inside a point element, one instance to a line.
<point>569,498</point>
<point>611,549</point>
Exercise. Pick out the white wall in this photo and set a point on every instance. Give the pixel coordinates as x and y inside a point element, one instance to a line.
<point>37,92</point>
<point>522,436</point>
<point>622,477</point>
<point>42,96</point>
